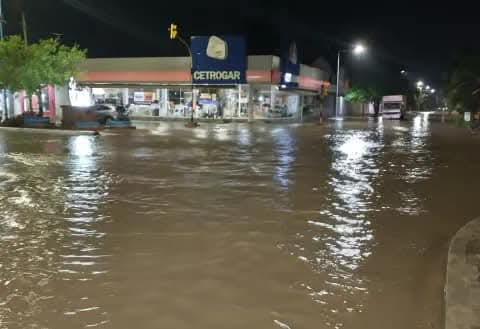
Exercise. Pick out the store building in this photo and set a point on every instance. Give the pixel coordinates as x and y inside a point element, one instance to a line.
<point>162,88</point>
<point>218,81</point>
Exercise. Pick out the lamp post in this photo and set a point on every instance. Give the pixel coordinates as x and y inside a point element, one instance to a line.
<point>358,49</point>
<point>420,85</point>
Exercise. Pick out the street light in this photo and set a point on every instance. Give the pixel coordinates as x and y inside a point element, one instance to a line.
<point>427,87</point>
<point>420,84</point>
<point>357,49</point>
<point>433,91</point>
<point>403,72</point>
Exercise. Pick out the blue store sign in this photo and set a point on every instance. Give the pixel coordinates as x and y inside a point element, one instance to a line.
<point>220,60</point>
<point>290,67</point>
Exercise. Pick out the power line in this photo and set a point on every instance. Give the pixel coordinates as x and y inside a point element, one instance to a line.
<point>119,23</point>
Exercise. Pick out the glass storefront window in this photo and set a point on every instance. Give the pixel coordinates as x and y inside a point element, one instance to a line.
<point>222,102</point>
<point>262,101</point>
<point>271,103</point>
<point>286,105</point>
<point>208,103</point>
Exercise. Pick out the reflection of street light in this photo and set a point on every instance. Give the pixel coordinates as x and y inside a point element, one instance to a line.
<point>357,49</point>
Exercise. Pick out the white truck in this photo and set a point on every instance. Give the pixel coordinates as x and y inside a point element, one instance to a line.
<point>393,107</point>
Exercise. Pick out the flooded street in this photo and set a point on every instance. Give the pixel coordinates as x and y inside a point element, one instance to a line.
<point>233,226</point>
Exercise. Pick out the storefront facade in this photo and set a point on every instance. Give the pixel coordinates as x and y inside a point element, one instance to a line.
<point>18,103</point>
<point>163,88</point>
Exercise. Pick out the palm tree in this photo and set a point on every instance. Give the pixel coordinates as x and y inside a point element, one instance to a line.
<point>464,87</point>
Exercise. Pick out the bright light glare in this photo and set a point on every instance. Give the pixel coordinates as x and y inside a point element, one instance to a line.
<point>81,98</point>
<point>433,91</point>
<point>359,49</point>
<point>427,87</point>
<point>288,77</point>
<point>354,147</point>
<point>98,91</point>
<point>82,146</point>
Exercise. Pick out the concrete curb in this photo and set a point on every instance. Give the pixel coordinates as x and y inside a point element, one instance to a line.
<point>462,289</point>
<point>50,131</point>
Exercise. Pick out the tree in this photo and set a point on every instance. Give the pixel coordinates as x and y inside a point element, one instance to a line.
<point>419,99</point>
<point>359,96</point>
<point>13,57</point>
<point>463,91</point>
<point>30,67</point>
<point>364,95</point>
<point>356,95</point>
<point>49,63</point>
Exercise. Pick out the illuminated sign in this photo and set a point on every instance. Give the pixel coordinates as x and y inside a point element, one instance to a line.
<point>290,67</point>
<point>217,75</point>
<point>220,60</point>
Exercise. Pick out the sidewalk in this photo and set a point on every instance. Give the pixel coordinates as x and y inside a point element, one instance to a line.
<point>49,131</point>
<point>462,303</point>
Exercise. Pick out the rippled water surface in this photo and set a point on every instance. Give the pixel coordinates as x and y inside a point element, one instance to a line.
<point>233,226</point>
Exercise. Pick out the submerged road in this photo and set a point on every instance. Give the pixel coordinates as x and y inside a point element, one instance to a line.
<point>233,226</point>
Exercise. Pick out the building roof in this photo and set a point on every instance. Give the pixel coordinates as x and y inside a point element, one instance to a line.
<point>176,70</point>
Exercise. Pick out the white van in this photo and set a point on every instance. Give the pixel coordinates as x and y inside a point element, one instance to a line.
<point>393,107</point>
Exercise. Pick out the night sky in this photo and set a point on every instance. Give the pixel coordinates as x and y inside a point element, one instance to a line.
<point>424,37</point>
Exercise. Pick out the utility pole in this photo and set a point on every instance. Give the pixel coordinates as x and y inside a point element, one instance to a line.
<point>337,95</point>
<point>2,21</point>
<point>175,35</point>
<point>24,28</point>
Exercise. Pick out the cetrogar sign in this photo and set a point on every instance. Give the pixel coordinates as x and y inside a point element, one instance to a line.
<point>219,60</point>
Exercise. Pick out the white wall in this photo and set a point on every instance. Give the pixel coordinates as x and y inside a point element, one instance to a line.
<point>62,97</point>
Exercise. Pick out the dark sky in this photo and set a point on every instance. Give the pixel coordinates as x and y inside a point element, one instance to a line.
<point>422,37</point>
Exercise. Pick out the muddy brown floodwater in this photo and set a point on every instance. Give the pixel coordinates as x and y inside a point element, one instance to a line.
<point>233,226</point>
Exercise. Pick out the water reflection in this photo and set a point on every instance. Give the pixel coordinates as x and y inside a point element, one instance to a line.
<point>86,190</point>
<point>29,229</point>
<point>339,239</point>
<point>244,136</point>
<point>289,215</point>
<point>355,168</point>
<point>415,163</point>
<point>285,152</point>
